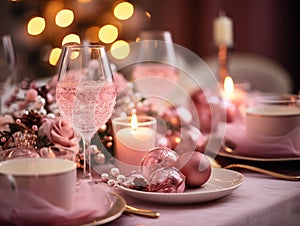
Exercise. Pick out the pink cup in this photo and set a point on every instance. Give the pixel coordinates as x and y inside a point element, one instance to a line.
<point>273,115</point>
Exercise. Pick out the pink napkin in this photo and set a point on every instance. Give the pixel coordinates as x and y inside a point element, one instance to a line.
<point>266,147</point>
<point>90,202</point>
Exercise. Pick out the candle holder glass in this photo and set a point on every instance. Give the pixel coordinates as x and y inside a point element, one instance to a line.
<point>223,62</point>
<point>132,144</point>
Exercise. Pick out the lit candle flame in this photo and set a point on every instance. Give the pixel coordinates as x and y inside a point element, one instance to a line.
<point>134,121</point>
<point>228,87</point>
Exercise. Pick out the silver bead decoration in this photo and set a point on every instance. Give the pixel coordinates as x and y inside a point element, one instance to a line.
<point>104,177</point>
<point>111,182</point>
<point>115,171</point>
<point>121,178</point>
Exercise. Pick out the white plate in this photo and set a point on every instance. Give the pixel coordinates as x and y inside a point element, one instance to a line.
<point>117,208</point>
<point>221,183</point>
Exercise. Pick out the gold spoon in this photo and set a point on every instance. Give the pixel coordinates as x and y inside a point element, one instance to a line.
<point>135,210</point>
<point>142,212</point>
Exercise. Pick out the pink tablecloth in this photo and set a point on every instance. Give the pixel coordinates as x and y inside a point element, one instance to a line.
<point>261,200</point>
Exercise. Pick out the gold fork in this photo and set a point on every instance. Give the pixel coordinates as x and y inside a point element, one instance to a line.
<point>142,212</point>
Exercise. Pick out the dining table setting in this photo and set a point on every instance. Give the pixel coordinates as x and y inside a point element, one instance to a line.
<point>167,141</point>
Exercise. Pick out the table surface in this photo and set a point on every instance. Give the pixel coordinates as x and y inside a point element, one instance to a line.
<point>261,200</point>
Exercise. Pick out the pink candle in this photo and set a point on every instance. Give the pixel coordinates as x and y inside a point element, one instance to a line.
<point>133,139</point>
<point>235,96</point>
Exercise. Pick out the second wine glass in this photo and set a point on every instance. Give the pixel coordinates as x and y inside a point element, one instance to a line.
<point>155,73</point>
<point>7,63</point>
<point>85,92</point>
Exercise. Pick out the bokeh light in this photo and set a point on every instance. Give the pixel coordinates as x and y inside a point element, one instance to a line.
<point>54,56</point>
<point>123,10</point>
<point>120,49</point>
<point>108,33</point>
<point>36,25</point>
<point>64,18</point>
<point>148,15</point>
<point>71,38</point>
<point>84,1</point>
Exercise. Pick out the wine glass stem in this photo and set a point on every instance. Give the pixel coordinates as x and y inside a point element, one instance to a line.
<point>0,104</point>
<point>87,168</point>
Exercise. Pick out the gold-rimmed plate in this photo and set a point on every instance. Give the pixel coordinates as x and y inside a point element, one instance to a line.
<point>221,183</point>
<point>116,210</point>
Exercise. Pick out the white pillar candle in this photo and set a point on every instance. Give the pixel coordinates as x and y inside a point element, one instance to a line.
<point>223,31</point>
<point>133,142</point>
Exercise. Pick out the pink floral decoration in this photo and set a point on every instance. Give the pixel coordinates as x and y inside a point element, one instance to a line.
<point>61,134</point>
<point>4,122</point>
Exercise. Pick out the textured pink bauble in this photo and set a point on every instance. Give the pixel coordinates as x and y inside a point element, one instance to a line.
<point>157,158</point>
<point>167,180</point>
<point>196,167</point>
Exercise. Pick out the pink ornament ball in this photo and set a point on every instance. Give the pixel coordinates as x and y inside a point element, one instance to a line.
<point>157,158</point>
<point>196,167</point>
<point>167,180</point>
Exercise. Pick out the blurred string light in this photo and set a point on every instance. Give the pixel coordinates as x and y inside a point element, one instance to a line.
<point>77,21</point>
<point>71,38</point>
<point>84,1</point>
<point>54,56</point>
<point>148,15</point>
<point>36,25</point>
<point>120,49</point>
<point>108,33</point>
<point>64,18</point>
<point>123,10</point>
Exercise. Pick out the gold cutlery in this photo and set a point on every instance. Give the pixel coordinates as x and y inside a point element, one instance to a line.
<point>215,164</point>
<point>263,171</point>
<point>142,212</point>
<point>135,210</point>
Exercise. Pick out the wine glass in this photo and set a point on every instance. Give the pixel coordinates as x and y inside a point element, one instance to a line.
<point>85,92</point>
<point>155,71</point>
<point>7,63</point>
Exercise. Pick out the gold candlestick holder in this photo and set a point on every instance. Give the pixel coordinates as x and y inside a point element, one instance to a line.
<point>223,62</point>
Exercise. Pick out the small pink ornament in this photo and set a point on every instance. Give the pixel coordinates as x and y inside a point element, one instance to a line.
<point>203,109</point>
<point>196,168</point>
<point>167,180</point>
<point>157,158</point>
<point>31,95</point>
<point>35,128</point>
